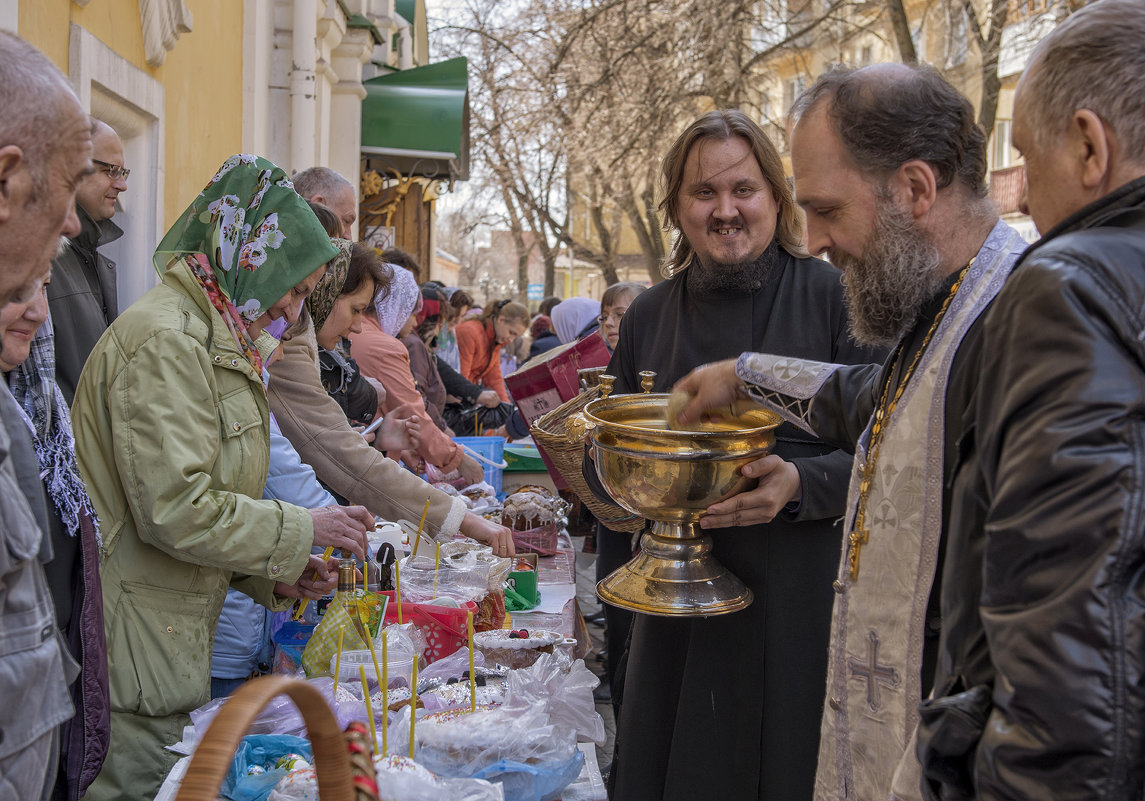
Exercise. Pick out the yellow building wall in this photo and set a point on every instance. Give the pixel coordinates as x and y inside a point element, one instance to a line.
<point>202,78</point>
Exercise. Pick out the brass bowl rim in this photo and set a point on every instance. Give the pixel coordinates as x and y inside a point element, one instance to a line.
<point>630,429</point>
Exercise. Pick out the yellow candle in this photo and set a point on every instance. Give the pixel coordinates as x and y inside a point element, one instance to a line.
<point>398,589</point>
<point>369,707</point>
<point>420,526</point>
<point>412,705</point>
<point>472,672</point>
<point>370,645</point>
<point>436,566</point>
<point>338,661</point>
<point>385,695</point>
<point>326,554</point>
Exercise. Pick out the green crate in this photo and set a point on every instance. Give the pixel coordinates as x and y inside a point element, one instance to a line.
<point>523,458</point>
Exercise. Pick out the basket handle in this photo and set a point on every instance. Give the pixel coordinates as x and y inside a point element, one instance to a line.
<point>217,747</point>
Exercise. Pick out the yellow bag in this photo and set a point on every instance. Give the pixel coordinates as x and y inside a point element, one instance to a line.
<point>340,617</point>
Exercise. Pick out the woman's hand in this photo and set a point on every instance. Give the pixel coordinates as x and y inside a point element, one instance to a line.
<point>470,469</point>
<point>496,536</point>
<point>489,399</point>
<point>401,430</point>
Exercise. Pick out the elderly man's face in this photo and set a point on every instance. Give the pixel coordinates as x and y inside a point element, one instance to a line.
<point>727,208</point>
<point>1046,197</point>
<point>890,264</point>
<point>38,204</point>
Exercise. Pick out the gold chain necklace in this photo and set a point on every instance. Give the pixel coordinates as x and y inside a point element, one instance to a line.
<point>860,534</point>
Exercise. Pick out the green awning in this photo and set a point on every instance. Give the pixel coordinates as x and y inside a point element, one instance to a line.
<point>416,121</point>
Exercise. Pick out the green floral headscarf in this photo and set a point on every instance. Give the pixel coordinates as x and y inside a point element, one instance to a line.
<point>258,236</point>
<point>321,300</point>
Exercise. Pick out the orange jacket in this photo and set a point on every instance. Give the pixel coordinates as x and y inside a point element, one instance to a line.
<point>480,355</point>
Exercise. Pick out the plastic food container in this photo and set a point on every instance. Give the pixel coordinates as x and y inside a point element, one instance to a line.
<point>399,667</point>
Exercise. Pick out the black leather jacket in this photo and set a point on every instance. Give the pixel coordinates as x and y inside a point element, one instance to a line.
<point>1040,689</point>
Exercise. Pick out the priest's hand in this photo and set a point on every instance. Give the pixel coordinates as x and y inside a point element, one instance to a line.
<point>706,393</point>
<point>779,485</point>
<point>318,578</point>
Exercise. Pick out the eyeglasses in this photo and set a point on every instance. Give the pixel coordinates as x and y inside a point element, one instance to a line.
<point>615,314</point>
<point>114,171</point>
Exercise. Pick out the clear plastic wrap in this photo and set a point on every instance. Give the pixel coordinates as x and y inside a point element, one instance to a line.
<point>565,693</point>
<point>400,779</point>
<point>461,743</point>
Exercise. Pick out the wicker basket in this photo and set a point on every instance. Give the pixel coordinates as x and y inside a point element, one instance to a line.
<point>338,778</point>
<point>548,431</point>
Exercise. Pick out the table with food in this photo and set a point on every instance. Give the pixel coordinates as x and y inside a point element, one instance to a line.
<point>458,674</point>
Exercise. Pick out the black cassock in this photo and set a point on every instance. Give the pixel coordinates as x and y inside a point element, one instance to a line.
<point>729,707</point>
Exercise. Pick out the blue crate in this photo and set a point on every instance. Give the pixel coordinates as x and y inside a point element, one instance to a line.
<point>489,451</point>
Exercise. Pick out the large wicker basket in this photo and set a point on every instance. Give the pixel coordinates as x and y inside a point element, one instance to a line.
<point>548,432</point>
<point>340,777</point>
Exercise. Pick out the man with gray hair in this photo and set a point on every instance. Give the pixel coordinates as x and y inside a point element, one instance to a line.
<point>1040,689</point>
<point>324,185</point>
<point>45,150</point>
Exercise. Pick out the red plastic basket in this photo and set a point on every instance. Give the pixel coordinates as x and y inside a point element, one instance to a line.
<point>541,540</point>
<point>444,627</point>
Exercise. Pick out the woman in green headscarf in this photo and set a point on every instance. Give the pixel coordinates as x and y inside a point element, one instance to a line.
<point>172,432</point>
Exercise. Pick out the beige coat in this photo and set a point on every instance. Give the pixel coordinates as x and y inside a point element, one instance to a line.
<point>343,461</point>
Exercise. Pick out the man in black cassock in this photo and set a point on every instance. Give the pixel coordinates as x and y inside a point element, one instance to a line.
<point>728,707</point>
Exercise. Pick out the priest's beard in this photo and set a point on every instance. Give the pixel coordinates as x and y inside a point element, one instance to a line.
<point>889,284</point>
<point>727,279</point>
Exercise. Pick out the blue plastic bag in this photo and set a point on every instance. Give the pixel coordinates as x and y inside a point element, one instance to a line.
<point>541,782</point>
<point>262,750</point>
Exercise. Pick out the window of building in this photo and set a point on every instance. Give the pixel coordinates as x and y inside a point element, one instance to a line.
<point>792,88</point>
<point>1003,155</point>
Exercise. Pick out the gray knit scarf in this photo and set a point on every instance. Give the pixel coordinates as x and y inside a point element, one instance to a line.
<point>45,412</point>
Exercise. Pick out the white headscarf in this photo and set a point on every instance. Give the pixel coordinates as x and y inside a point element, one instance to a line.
<point>571,316</point>
<point>395,306</point>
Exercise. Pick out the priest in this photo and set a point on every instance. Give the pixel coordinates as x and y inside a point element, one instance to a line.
<point>889,167</point>
<point>728,706</point>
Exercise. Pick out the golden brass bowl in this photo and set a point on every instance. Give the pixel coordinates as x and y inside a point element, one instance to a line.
<point>671,478</point>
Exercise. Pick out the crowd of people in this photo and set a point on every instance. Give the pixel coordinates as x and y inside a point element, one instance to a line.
<point>945,547</point>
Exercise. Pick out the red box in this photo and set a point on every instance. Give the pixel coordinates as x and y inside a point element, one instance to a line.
<point>545,382</point>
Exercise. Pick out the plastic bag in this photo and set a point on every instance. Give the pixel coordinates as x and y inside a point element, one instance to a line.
<point>260,752</point>
<point>461,743</point>
<point>565,694</point>
<point>461,577</point>
<point>398,778</point>
<point>536,782</point>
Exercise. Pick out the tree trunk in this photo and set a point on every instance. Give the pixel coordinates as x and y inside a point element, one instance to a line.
<point>901,26</point>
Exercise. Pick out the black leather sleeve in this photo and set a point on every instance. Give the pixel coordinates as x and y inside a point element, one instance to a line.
<point>1062,449</point>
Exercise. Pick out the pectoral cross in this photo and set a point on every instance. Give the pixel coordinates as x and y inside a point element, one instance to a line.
<point>860,534</point>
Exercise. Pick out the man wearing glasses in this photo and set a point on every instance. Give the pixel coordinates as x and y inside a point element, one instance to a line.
<point>82,294</point>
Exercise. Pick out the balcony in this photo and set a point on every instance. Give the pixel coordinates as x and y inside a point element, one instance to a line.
<point>1006,188</point>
